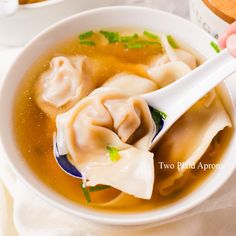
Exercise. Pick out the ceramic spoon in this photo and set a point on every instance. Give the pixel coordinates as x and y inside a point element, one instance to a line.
<point>176,98</point>
<point>8,7</point>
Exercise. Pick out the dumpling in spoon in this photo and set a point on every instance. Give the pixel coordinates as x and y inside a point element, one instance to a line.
<point>171,65</point>
<point>106,137</point>
<point>63,84</point>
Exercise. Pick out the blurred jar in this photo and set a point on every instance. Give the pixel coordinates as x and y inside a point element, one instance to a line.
<point>214,16</point>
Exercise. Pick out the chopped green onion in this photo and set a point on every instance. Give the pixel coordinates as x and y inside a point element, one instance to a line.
<point>87,42</point>
<point>112,37</point>
<point>126,39</point>
<point>113,153</point>
<point>149,42</point>
<point>86,193</point>
<point>139,44</point>
<point>163,115</point>
<point>134,45</point>
<point>98,188</point>
<point>215,47</point>
<point>85,35</point>
<point>158,118</point>
<point>135,36</point>
<point>171,41</point>
<point>150,35</point>
<point>156,115</point>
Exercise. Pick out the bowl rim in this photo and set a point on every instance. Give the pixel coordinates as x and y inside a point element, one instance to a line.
<point>104,217</point>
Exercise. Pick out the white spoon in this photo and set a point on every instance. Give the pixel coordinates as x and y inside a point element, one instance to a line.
<point>178,97</point>
<point>8,7</point>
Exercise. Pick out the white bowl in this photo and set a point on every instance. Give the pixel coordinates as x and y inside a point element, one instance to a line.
<point>135,17</point>
<point>30,19</point>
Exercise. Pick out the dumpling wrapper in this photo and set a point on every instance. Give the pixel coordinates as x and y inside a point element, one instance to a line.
<point>174,54</point>
<point>63,84</point>
<point>131,84</point>
<point>196,128</point>
<point>172,65</point>
<point>108,117</point>
<point>188,140</point>
<point>168,73</point>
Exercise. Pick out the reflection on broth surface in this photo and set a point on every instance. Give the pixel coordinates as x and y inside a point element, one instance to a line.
<point>124,64</point>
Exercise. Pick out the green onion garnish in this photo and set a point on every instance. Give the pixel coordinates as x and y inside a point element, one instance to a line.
<point>171,41</point>
<point>134,45</point>
<point>158,118</point>
<point>156,115</point>
<point>86,193</point>
<point>149,42</point>
<point>85,35</point>
<point>113,153</point>
<point>98,188</point>
<point>163,115</point>
<point>139,44</point>
<point>215,46</point>
<point>112,37</point>
<point>126,39</point>
<point>150,35</point>
<point>87,42</point>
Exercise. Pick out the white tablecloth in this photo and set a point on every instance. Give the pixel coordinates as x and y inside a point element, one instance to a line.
<point>25,214</point>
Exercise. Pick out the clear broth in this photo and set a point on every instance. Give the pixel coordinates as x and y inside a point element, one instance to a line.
<point>36,146</point>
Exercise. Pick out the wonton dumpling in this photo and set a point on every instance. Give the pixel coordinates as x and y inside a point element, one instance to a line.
<point>168,73</point>
<point>186,57</point>
<point>130,84</point>
<point>188,140</point>
<point>63,84</point>
<point>172,55</point>
<point>172,65</point>
<point>108,117</point>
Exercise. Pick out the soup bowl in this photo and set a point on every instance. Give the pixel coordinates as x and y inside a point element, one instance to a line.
<point>111,17</point>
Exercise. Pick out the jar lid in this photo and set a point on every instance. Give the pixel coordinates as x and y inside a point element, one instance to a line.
<point>225,9</point>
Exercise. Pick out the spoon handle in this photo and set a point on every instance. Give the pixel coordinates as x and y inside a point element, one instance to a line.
<point>177,98</point>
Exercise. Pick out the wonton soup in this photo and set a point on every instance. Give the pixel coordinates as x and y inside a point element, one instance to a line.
<point>82,100</point>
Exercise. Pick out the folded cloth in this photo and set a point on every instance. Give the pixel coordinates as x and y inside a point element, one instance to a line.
<point>23,213</point>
